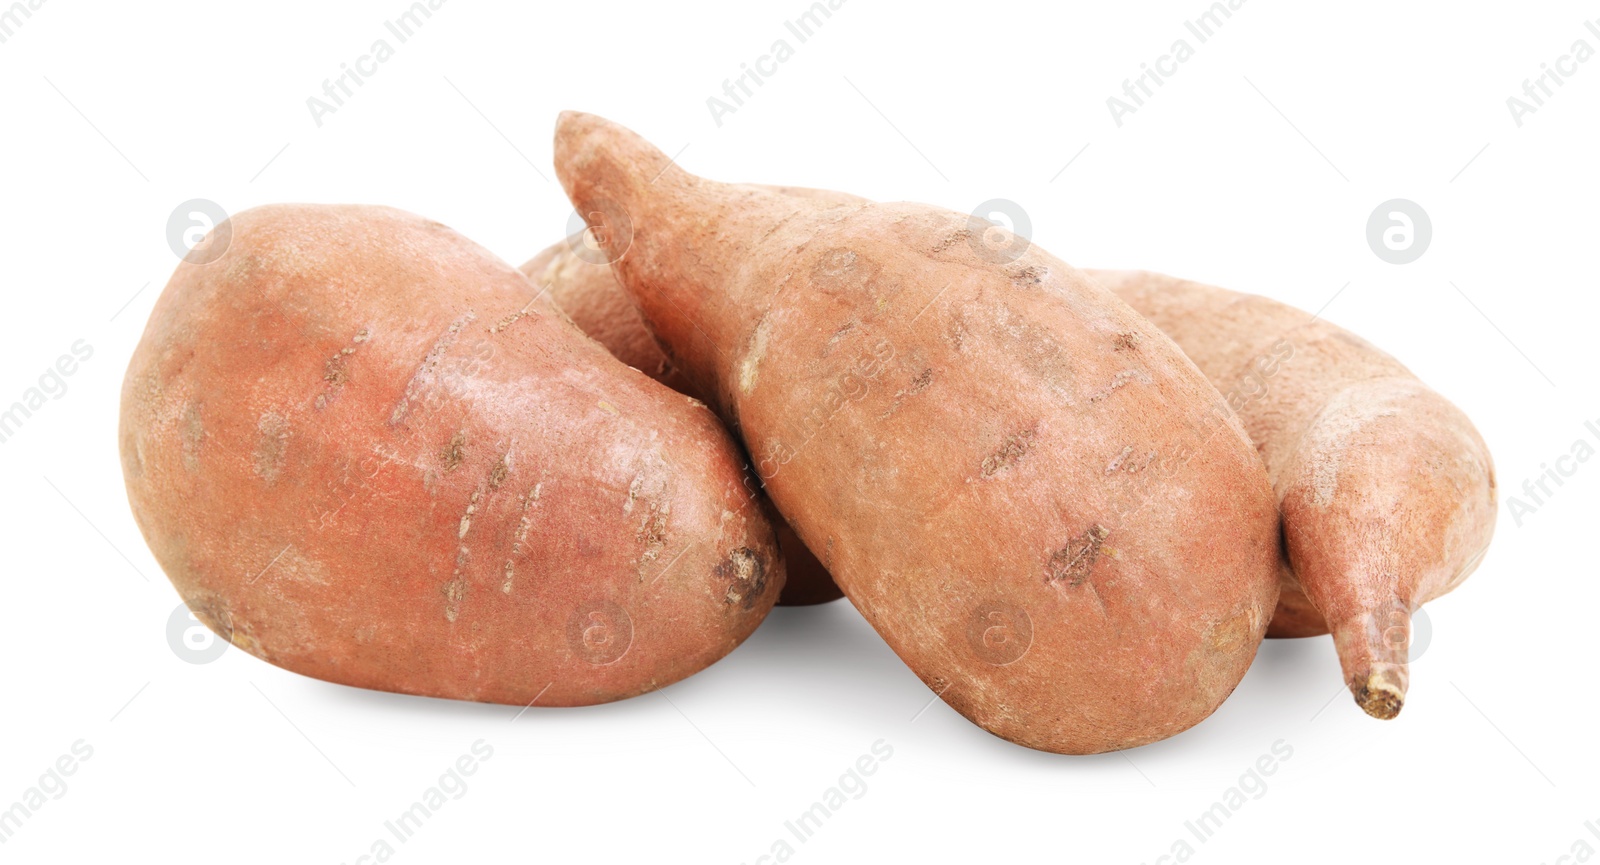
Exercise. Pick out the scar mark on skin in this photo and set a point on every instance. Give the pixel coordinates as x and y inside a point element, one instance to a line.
<point>746,575</point>
<point>1122,462</point>
<point>455,591</point>
<point>840,333</point>
<point>466,518</point>
<point>454,452</point>
<point>501,470</point>
<point>1030,275</point>
<point>1119,380</point>
<point>336,370</point>
<point>653,534</point>
<point>517,316</point>
<point>918,384</point>
<point>524,522</point>
<point>1074,560</point>
<point>497,475</point>
<point>426,368</point>
<point>1015,447</point>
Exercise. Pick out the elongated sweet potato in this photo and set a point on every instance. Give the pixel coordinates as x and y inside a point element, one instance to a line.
<point>1032,495</point>
<point>1387,491</point>
<point>363,451</point>
<point>587,291</point>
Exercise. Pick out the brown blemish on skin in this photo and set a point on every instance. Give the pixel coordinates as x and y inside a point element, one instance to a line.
<point>652,533</point>
<point>1029,276</point>
<point>335,371</point>
<point>838,334</point>
<point>1015,447</point>
<point>454,452</point>
<point>1126,341</point>
<point>501,470</point>
<point>745,572</point>
<point>915,386</point>
<point>633,493</point>
<point>1074,560</point>
<point>918,384</point>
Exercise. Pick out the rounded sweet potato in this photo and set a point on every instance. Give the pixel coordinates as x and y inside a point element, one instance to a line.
<point>1386,489</point>
<point>1027,490</point>
<point>364,451</point>
<point>587,291</point>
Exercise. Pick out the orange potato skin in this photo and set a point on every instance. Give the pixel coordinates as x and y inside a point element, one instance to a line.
<point>362,454</point>
<point>1386,489</point>
<point>953,436</point>
<point>588,293</point>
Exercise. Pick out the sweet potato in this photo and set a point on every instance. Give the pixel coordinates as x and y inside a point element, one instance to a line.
<point>1386,489</point>
<point>587,291</point>
<point>364,451</point>
<point>1029,492</point>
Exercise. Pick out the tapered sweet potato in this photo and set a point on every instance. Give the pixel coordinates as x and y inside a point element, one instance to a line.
<point>363,451</point>
<point>1387,491</point>
<point>1028,491</point>
<point>584,287</point>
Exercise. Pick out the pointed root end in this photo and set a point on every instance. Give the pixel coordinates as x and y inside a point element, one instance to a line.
<point>1382,695</point>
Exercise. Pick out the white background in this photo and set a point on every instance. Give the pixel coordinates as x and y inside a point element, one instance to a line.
<point>1255,166</point>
